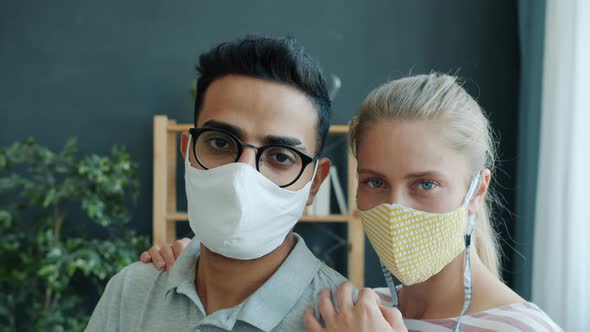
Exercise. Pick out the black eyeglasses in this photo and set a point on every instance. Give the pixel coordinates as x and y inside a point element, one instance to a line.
<point>282,164</point>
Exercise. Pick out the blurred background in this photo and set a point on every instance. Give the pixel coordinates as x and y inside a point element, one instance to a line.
<point>100,70</point>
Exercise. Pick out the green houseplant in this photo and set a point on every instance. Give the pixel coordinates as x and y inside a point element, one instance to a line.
<point>52,271</point>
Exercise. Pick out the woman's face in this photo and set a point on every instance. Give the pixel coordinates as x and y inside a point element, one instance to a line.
<point>407,162</point>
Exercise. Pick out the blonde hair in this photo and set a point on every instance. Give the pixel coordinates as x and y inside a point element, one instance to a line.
<point>440,97</point>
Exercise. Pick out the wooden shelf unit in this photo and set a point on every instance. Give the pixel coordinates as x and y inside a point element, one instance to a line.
<point>165,214</point>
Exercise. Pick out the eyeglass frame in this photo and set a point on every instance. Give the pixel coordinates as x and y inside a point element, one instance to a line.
<point>305,159</point>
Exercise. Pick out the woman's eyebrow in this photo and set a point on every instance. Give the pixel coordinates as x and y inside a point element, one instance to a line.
<point>425,174</point>
<point>366,170</point>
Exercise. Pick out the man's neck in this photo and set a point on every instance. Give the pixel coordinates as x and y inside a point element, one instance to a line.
<point>223,282</point>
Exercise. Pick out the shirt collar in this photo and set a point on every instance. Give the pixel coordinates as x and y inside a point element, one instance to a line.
<point>184,266</point>
<point>269,305</point>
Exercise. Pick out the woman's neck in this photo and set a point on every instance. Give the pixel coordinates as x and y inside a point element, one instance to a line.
<point>441,296</point>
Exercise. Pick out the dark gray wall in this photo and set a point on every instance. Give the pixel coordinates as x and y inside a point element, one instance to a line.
<point>100,70</point>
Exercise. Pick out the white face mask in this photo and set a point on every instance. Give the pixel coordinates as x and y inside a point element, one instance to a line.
<point>237,212</point>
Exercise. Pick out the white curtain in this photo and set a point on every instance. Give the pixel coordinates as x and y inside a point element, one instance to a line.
<point>561,263</point>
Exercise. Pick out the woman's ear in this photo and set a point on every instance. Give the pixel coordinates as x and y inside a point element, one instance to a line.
<point>480,193</point>
<point>322,173</point>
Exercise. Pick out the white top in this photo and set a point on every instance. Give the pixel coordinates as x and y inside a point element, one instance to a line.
<point>520,317</point>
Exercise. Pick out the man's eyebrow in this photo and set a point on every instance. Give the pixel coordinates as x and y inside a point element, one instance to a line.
<point>269,139</point>
<point>225,126</point>
<point>284,140</point>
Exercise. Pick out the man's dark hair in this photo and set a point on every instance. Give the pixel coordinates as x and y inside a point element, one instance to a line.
<point>280,60</point>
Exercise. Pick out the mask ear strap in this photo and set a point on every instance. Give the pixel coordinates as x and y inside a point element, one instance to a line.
<point>315,169</point>
<point>188,146</point>
<point>472,188</point>
<point>467,285</point>
<point>390,284</point>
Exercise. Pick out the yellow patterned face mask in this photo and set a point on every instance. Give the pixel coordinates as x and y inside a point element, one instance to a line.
<point>415,245</point>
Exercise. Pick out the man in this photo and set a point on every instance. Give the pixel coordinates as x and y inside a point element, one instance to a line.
<point>261,117</point>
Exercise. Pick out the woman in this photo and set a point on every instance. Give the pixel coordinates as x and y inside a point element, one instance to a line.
<point>425,157</point>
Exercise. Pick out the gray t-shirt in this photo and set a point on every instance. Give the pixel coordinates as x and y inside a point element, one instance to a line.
<point>140,298</point>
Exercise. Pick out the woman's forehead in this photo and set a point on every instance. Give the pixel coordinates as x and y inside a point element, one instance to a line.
<point>408,146</point>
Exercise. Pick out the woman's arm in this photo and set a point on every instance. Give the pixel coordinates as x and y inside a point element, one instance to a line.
<point>164,256</point>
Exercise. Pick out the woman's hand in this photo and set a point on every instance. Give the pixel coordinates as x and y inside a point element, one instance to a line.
<point>164,256</point>
<point>366,315</point>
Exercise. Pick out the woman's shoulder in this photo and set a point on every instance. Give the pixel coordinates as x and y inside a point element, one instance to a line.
<point>513,317</point>
<point>523,316</point>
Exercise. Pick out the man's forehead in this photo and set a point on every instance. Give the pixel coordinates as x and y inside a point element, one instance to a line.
<point>260,109</point>
<point>267,137</point>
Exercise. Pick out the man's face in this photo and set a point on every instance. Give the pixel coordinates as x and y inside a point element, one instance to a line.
<point>260,112</point>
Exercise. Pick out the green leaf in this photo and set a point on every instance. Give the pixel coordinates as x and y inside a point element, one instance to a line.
<point>49,197</point>
<point>3,161</point>
<point>5,219</point>
<point>47,270</point>
<point>42,187</point>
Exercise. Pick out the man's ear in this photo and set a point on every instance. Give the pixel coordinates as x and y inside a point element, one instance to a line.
<point>184,143</point>
<point>479,196</point>
<point>322,173</point>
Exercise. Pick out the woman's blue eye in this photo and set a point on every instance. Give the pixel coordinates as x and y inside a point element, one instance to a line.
<point>374,183</point>
<point>427,185</point>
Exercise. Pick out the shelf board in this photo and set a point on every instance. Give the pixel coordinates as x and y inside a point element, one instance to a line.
<point>334,129</point>
<point>183,216</point>
<point>177,216</point>
<point>330,218</point>
<point>339,129</point>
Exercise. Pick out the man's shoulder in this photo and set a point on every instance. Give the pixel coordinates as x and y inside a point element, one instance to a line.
<point>329,277</point>
<point>138,278</point>
<point>125,295</point>
<point>325,277</point>
<point>307,266</point>
<point>141,273</point>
